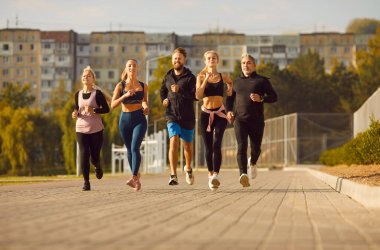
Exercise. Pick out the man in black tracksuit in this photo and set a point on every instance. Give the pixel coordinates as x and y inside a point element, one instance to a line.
<point>178,96</point>
<point>245,106</point>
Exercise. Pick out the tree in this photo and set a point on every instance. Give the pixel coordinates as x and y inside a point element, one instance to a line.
<point>237,70</point>
<point>363,26</point>
<point>157,110</point>
<point>16,96</point>
<point>343,81</point>
<point>312,89</point>
<point>368,65</point>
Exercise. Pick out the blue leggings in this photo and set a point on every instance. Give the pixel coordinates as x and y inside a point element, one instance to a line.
<point>132,127</point>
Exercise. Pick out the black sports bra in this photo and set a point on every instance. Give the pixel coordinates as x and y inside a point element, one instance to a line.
<point>137,98</point>
<point>214,89</point>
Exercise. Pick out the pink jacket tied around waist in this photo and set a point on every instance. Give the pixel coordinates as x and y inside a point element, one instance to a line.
<point>218,112</point>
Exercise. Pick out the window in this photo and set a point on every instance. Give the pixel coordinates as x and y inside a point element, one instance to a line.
<point>5,84</point>
<point>20,47</point>
<point>80,61</point>
<point>110,49</point>
<point>333,50</point>
<point>111,61</point>
<point>137,49</point>
<point>80,48</point>
<point>61,58</point>
<point>5,59</point>
<point>5,72</point>
<point>32,72</point>
<point>47,46</point>
<point>97,74</point>
<point>124,49</point>
<point>97,61</point>
<point>96,49</point>
<point>5,46</point>
<point>32,47</point>
<point>224,63</point>
<point>45,59</point>
<point>347,50</point>
<point>19,59</point>
<point>19,72</point>
<point>32,59</point>
<point>111,74</point>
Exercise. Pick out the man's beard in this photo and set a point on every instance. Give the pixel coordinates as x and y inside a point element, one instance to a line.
<point>178,66</point>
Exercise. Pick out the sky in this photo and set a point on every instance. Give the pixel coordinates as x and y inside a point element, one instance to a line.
<point>187,17</point>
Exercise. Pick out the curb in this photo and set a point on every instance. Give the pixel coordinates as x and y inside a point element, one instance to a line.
<point>368,196</point>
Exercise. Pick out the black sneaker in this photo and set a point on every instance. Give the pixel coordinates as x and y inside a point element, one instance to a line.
<point>173,180</point>
<point>86,186</point>
<point>99,172</point>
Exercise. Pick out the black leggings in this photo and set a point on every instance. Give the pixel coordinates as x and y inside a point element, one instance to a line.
<point>213,140</point>
<point>243,130</point>
<point>89,147</point>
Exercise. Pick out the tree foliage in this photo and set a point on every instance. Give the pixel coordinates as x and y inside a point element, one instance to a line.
<point>157,110</point>
<point>16,96</point>
<point>363,26</point>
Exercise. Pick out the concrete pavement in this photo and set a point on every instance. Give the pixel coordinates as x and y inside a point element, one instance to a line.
<point>281,210</point>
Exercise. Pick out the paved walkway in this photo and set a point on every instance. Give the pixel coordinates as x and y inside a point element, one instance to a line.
<point>281,210</point>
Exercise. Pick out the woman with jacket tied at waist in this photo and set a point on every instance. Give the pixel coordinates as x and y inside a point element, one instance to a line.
<point>210,87</point>
<point>89,104</point>
<point>245,106</point>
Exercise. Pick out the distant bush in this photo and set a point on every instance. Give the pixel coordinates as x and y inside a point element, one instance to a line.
<point>363,149</point>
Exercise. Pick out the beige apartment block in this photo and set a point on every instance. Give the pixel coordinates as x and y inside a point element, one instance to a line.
<point>20,51</point>
<point>229,46</point>
<point>58,64</point>
<point>331,46</point>
<point>109,51</point>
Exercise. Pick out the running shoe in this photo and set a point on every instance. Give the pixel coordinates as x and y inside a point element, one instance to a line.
<point>189,175</point>
<point>99,172</point>
<point>215,180</point>
<point>252,171</point>
<point>173,180</point>
<point>244,180</point>
<point>86,186</point>
<point>210,183</point>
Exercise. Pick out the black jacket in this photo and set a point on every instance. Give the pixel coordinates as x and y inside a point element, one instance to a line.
<point>241,104</point>
<point>181,104</point>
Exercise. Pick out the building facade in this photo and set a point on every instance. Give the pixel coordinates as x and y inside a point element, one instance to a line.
<point>20,58</point>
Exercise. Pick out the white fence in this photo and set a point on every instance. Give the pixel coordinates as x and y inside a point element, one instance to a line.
<point>370,108</point>
<point>153,155</point>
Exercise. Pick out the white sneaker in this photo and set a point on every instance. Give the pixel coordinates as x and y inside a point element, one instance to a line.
<point>215,180</point>
<point>244,180</point>
<point>210,183</point>
<point>252,171</point>
<point>189,175</point>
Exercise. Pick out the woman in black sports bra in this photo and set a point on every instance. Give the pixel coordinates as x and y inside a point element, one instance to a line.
<point>132,94</point>
<point>210,88</point>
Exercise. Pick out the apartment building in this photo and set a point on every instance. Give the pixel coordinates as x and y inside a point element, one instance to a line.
<point>20,51</point>
<point>157,45</point>
<point>109,52</point>
<point>331,47</point>
<point>58,64</point>
<point>229,46</point>
<point>186,43</point>
<point>83,55</point>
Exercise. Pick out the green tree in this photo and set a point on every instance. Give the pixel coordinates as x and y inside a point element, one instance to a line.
<point>368,65</point>
<point>16,96</point>
<point>311,90</point>
<point>237,70</point>
<point>363,26</point>
<point>343,82</point>
<point>157,110</point>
